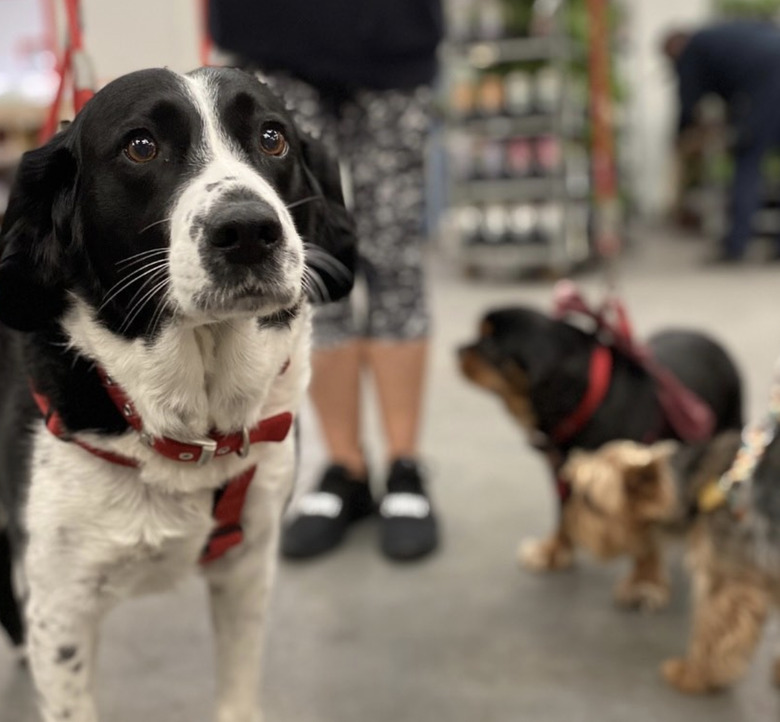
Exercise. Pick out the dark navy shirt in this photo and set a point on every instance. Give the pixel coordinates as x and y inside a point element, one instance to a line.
<point>738,61</point>
<point>378,44</point>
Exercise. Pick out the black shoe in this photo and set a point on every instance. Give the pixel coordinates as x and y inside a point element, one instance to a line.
<point>326,513</point>
<point>408,526</point>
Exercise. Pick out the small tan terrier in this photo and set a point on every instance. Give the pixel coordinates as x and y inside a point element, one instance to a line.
<point>625,494</point>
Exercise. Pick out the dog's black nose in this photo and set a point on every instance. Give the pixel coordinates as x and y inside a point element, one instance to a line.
<point>244,233</point>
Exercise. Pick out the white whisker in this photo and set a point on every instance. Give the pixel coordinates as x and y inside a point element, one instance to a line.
<point>125,283</point>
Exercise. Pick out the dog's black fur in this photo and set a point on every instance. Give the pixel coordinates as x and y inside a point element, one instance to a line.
<point>554,357</point>
<point>540,367</point>
<point>77,210</point>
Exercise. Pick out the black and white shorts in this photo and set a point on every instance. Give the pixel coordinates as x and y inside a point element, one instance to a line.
<point>380,139</point>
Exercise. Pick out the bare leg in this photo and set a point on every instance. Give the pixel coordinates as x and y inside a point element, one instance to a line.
<point>335,391</point>
<point>728,618</point>
<point>399,374</point>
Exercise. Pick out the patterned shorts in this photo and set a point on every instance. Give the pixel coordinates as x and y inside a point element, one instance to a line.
<point>379,138</point>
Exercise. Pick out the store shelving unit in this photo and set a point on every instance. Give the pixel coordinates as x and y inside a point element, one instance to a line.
<point>518,141</point>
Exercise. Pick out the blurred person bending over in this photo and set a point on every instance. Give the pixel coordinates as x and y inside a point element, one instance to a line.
<point>740,62</point>
<point>357,74</point>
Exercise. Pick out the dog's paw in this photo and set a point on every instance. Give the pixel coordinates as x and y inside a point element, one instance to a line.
<point>684,676</point>
<point>642,594</point>
<point>544,555</point>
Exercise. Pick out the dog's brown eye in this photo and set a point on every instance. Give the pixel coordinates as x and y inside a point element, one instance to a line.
<point>141,149</point>
<point>272,142</point>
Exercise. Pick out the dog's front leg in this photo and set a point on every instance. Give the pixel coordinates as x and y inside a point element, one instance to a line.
<point>647,586</point>
<point>238,591</point>
<point>62,616</point>
<point>729,615</point>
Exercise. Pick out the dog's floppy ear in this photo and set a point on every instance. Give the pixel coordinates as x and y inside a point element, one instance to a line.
<point>36,224</point>
<point>645,475</point>
<point>327,225</point>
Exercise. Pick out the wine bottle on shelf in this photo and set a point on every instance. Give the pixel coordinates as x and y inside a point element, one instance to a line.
<point>548,87</point>
<point>548,156</point>
<point>490,20</point>
<point>522,221</point>
<point>549,223</point>
<point>490,95</point>
<point>519,157</point>
<point>494,226</point>
<point>469,225</point>
<point>518,92</point>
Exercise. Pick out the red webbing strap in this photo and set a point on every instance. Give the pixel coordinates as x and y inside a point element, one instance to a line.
<point>228,509</point>
<point>74,63</point>
<point>55,426</point>
<point>599,380</point>
<point>687,414</point>
<point>274,428</point>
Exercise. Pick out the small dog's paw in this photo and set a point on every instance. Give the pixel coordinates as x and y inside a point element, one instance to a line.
<point>544,555</point>
<point>682,675</point>
<point>642,594</point>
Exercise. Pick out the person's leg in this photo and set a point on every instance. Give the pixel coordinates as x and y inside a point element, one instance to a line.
<point>387,158</point>
<point>335,392</point>
<point>341,496</point>
<point>745,199</point>
<point>398,368</point>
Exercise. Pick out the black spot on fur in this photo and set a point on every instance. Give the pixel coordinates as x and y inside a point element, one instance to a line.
<point>213,186</point>
<point>66,653</point>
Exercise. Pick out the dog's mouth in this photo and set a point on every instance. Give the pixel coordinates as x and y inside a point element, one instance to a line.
<point>250,298</point>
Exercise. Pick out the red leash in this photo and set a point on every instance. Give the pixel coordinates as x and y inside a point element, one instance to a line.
<point>75,65</point>
<point>688,415</point>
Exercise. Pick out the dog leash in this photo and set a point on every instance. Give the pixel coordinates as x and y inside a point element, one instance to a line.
<point>732,488</point>
<point>686,413</point>
<point>76,63</point>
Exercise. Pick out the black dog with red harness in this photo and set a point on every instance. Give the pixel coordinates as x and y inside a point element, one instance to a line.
<point>579,380</point>
<point>158,262</point>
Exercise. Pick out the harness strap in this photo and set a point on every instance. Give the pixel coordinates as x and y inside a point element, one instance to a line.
<point>55,426</point>
<point>228,508</point>
<point>599,379</point>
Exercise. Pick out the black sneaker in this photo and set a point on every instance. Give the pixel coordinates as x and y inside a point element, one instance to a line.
<point>408,526</point>
<point>325,514</point>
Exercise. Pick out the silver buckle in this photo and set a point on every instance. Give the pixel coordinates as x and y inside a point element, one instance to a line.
<point>208,448</point>
<point>243,452</point>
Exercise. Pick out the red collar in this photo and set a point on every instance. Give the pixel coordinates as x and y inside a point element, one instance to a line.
<point>599,379</point>
<point>228,499</point>
<point>195,451</point>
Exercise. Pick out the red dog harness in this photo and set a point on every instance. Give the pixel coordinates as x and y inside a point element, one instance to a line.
<point>686,413</point>
<point>228,499</point>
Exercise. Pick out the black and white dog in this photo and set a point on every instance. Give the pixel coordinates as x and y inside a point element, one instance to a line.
<point>158,261</point>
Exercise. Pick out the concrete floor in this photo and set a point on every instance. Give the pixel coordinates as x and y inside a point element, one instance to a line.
<point>464,636</point>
